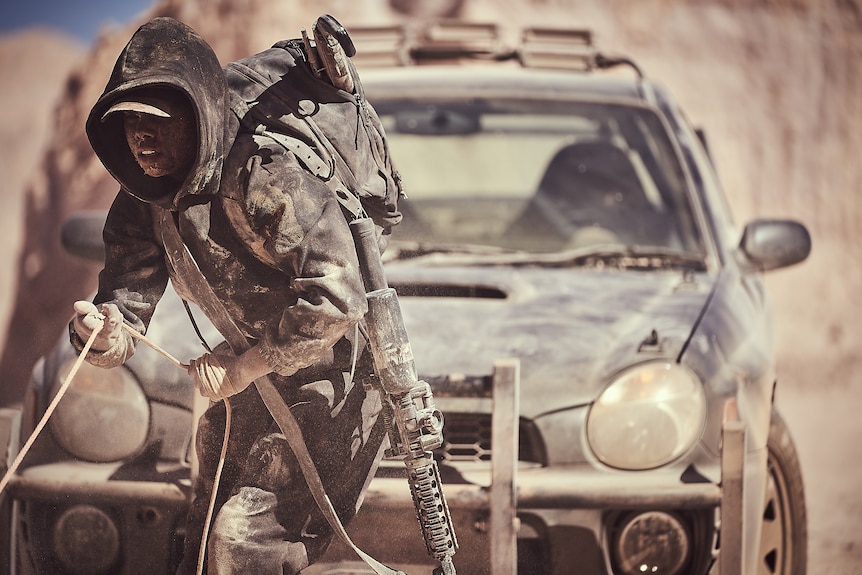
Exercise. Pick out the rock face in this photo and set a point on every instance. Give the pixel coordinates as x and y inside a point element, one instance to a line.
<point>33,65</point>
<point>775,83</point>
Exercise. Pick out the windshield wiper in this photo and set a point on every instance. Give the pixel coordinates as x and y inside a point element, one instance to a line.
<point>637,257</point>
<point>620,257</point>
<point>603,256</point>
<point>401,250</point>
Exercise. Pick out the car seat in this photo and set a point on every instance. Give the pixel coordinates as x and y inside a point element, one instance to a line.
<point>590,193</point>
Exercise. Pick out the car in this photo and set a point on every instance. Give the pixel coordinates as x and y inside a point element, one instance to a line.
<point>591,319</point>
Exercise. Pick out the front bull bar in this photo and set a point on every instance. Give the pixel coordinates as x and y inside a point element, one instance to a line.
<point>551,489</point>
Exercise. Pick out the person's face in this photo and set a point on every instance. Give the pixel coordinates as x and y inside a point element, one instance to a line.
<point>162,146</point>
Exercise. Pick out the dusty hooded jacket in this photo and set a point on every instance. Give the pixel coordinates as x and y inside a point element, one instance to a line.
<point>309,291</point>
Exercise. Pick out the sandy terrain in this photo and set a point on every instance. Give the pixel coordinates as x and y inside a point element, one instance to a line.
<point>825,424</point>
<point>778,87</point>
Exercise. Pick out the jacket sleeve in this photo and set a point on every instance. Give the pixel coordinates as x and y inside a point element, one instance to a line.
<point>306,237</point>
<point>134,277</point>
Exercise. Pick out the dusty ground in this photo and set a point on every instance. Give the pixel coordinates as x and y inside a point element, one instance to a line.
<point>780,92</point>
<point>820,394</point>
<point>826,427</point>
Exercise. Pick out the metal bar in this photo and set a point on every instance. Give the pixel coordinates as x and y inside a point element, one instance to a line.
<point>504,495</point>
<point>538,490</point>
<point>42,489</point>
<point>10,436</point>
<point>10,439</point>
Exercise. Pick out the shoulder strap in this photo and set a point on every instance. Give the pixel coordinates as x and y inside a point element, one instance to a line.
<point>183,264</point>
<point>334,173</point>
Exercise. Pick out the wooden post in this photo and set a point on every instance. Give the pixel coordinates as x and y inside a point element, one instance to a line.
<point>504,462</point>
<point>730,559</point>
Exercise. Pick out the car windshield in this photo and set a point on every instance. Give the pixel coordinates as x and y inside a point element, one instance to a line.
<point>487,178</point>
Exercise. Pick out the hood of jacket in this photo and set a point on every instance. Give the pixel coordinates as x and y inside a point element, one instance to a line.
<point>165,53</point>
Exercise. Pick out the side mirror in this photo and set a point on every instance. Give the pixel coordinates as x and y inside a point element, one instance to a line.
<point>775,244</point>
<point>81,236</point>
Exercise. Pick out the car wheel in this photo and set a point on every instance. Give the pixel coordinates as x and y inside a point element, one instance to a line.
<point>784,535</point>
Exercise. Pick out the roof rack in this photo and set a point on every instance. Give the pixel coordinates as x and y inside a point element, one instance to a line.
<point>570,49</point>
<point>458,41</point>
<point>380,46</point>
<point>444,40</point>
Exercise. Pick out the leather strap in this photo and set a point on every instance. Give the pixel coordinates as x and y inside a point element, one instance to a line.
<point>182,264</point>
<point>339,174</point>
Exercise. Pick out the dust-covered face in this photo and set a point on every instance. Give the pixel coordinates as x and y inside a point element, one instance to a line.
<point>162,146</point>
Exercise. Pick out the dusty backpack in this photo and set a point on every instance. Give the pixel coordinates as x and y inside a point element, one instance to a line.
<point>307,97</point>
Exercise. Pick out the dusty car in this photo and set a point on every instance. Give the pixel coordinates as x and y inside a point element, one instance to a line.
<point>561,212</point>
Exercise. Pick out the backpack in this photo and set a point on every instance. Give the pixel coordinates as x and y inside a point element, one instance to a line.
<point>295,94</point>
<point>283,93</point>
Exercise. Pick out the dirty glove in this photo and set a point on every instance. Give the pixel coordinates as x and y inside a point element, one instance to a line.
<point>215,375</point>
<point>88,317</point>
<point>211,378</point>
<point>221,374</point>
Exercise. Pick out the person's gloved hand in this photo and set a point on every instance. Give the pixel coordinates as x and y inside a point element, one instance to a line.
<point>221,374</point>
<point>211,378</point>
<point>88,317</point>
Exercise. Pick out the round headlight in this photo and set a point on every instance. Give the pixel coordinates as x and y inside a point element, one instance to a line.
<point>649,416</point>
<point>104,415</point>
<point>86,541</point>
<point>652,542</point>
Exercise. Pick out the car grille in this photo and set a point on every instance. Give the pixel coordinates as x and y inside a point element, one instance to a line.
<point>467,438</point>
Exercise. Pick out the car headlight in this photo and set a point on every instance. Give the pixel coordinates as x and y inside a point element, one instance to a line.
<point>104,415</point>
<point>649,416</point>
<point>87,541</point>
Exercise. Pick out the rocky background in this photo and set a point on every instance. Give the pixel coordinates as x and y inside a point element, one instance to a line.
<point>776,84</point>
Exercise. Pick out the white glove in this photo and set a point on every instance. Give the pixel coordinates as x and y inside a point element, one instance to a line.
<point>211,378</point>
<point>87,319</point>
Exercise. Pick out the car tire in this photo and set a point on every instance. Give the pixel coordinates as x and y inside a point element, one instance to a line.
<point>784,535</point>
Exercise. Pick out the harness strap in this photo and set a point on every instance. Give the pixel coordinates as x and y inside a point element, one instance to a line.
<point>183,264</point>
<point>335,179</point>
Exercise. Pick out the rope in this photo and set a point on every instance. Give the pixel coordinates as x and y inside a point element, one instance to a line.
<point>65,387</point>
<point>355,353</point>
<point>135,334</point>
<point>224,445</point>
<point>60,393</point>
<point>202,551</point>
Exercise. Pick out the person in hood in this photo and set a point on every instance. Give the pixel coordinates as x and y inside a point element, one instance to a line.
<point>164,130</point>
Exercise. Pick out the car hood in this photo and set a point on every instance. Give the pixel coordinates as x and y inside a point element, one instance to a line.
<point>571,329</point>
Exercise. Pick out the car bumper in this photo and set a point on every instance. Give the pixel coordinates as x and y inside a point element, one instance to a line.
<point>566,517</point>
<point>71,518</point>
<point>560,488</point>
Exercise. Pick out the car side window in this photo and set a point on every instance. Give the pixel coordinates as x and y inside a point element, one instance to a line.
<point>705,178</point>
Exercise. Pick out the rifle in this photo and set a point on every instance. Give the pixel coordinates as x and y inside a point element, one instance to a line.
<point>413,423</point>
